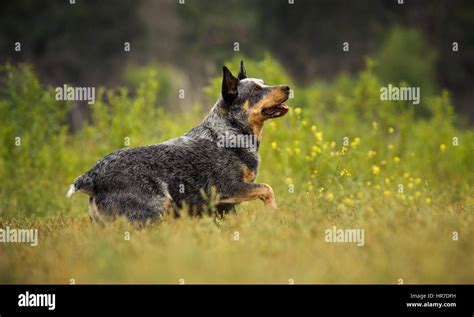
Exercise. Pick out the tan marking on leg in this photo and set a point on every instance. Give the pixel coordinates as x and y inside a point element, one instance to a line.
<point>264,192</point>
<point>93,210</point>
<point>249,176</point>
<point>167,206</point>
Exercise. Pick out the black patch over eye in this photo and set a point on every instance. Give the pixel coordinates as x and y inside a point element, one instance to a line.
<point>256,94</point>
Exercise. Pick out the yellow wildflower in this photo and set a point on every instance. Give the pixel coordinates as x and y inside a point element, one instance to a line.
<point>371,153</point>
<point>375,169</point>
<point>355,143</point>
<point>316,149</point>
<point>329,196</point>
<point>345,172</point>
<point>348,202</point>
<point>319,136</point>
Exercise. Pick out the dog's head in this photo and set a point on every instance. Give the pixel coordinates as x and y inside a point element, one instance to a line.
<point>250,102</point>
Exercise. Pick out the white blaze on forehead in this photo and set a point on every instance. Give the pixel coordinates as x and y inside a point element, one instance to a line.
<point>255,80</point>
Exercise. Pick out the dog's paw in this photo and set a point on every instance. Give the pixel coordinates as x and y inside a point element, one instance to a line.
<point>271,203</point>
<point>268,197</point>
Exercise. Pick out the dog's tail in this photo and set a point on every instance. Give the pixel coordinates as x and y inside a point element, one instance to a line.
<point>83,183</point>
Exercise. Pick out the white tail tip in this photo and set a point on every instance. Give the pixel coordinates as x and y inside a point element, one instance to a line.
<point>71,191</point>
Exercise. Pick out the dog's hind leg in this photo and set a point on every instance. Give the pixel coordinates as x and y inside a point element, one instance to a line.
<point>94,211</point>
<point>137,207</point>
<point>225,209</point>
<point>249,191</point>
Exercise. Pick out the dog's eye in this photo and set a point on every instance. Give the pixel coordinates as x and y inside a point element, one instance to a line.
<point>257,88</point>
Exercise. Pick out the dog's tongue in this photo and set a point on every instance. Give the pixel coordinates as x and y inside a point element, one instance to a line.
<point>276,109</point>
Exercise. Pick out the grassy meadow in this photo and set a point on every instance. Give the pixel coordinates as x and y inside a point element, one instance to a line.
<point>341,157</point>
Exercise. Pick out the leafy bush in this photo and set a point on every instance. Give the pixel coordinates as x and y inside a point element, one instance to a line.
<point>405,59</point>
<point>33,137</point>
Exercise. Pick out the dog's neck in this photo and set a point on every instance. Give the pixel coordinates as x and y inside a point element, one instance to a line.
<point>220,124</point>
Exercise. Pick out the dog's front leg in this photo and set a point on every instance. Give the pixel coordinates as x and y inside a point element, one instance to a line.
<point>250,191</point>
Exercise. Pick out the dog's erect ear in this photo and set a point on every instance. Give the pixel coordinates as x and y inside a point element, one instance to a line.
<point>229,86</point>
<point>242,72</point>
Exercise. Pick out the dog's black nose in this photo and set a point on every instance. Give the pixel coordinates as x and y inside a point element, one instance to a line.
<point>285,88</point>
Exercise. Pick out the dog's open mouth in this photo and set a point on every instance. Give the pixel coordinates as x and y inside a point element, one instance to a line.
<point>275,111</point>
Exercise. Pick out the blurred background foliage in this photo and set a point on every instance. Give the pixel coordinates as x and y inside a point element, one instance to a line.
<point>82,44</point>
